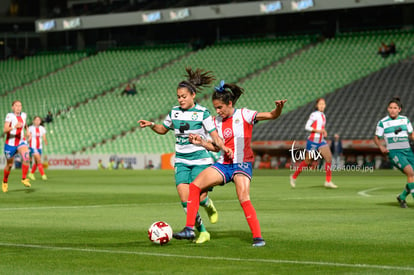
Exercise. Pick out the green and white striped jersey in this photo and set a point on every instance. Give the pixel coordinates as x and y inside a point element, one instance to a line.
<point>196,120</point>
<point>395,132</point>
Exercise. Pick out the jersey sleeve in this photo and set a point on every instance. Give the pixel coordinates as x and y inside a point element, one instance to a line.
<point>379,132</point>
<point>208,124</point>
<point>409,127</point>
<point>249,116</point>
<point>168,122</point>
<point>9,118</point>
<point>43,129</point>
<point>308,126</point>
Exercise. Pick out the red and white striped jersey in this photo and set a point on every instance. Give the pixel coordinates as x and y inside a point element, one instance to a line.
<point>316,121</point>
<point>237,134</point>
<point>15,136</point>
<point>37,134</point>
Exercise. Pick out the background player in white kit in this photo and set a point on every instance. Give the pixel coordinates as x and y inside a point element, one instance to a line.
<point>38,133</point>
<point>316,142</point>
<point>14,126</point>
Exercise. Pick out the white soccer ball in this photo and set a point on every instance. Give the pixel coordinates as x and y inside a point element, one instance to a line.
<point>160,233</point>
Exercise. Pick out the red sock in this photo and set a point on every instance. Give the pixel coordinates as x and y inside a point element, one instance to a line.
<point>251,218</point>
<point>328,171</point>
<point>34,166</point>
<point>6,174</point>
<point>42,172</point>
<point>25,169</point>
<point>299,169</point>
<point>193,204</point>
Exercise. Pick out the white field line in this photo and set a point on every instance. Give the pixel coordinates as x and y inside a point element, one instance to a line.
<point>268,261</point>
<point>364,193</point>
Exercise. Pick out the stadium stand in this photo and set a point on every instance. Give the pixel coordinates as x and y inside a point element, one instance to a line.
<point>91,77</point>
<point>362,102</point>
<point>287,67</point>
<point>16,72</point>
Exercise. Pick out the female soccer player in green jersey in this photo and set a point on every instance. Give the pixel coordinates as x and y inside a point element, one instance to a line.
<point>185,119</point>
<point>396,130</point>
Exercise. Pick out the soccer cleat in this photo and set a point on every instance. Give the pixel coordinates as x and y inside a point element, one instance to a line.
<point>31,176</point>
<point>4,187</point>
<point>26,183</point>
<point>203,237</point>
<point>330,185</point>
<point>187,233</point>
<point>44,177</point>
<point>292,181</point>
<point>403,203</point>
<point>258,242</point>
<point>212,212</point>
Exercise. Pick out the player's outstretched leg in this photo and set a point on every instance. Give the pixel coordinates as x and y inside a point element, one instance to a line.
<point>204,236</point>
<point>211,210</point>
<point>192,208</point>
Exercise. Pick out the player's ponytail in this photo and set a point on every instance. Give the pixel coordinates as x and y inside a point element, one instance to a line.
<point>196,80</point>
<point>227,92</point>
<point>396,100</point>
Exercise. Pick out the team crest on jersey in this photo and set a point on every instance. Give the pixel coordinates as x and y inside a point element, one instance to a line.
<point>194,116</point>
<point>227,133</point>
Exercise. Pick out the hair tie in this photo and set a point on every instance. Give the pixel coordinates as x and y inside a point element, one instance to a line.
<point>220,88</point>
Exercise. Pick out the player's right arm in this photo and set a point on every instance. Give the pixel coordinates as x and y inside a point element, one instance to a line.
<point>379,133</point>
<point>158,128</point>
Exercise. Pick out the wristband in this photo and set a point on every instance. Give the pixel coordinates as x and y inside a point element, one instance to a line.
<point>152,125</point>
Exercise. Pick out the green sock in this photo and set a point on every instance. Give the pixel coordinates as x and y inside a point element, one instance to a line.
<point>199,222</point>
<point>410,188</point>
<point>407,191</point>
<point>205,202</point>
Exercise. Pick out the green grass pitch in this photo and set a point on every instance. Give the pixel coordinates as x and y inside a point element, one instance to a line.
<point>95,222</point>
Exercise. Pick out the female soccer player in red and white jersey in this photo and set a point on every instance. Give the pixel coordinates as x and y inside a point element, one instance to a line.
<point>316,142</point>
<point>38,133</point>
<point>235,126</point>
<point>15,142</point>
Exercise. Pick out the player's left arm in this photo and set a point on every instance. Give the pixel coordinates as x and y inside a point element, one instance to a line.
<point>44,139</point>
<point>275,113</point>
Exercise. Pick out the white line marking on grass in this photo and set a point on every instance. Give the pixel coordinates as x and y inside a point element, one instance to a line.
<point>364,193</point>
<point>270,261</point>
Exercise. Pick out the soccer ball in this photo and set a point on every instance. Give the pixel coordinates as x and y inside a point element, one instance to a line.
<point>160,233</point>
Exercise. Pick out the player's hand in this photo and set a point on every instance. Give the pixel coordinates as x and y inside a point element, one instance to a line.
<point>195,139</point>
<point>384,150</point>
<point>144,123</point>
<point>280,103</point>
<point>228,152</point>
<point>325,133</point>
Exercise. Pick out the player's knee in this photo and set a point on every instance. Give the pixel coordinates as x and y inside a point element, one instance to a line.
<point>26,157</point>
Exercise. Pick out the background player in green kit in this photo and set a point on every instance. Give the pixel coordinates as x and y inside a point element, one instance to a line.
<point>185,119</point>
<point>396,131</point>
